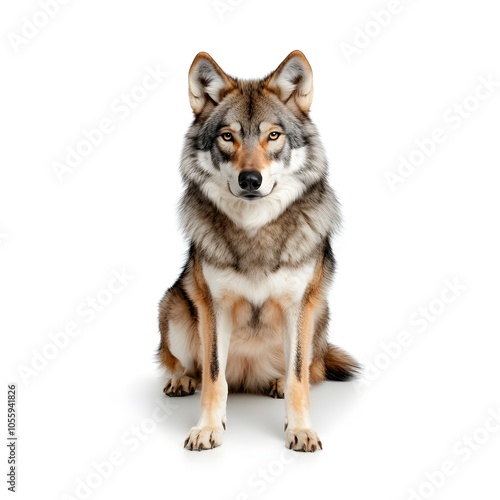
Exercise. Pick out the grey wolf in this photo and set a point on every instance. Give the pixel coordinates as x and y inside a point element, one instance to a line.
<point>249,311</point>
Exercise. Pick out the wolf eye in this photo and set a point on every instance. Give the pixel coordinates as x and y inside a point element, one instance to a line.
<point>273,136</point>
<point>227,136</point>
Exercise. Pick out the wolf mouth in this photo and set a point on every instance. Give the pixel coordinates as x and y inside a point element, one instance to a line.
<point>251,196</point>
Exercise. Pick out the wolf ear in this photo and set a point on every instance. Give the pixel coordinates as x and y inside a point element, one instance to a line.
<point>293,82</point>
<point>208,84</point>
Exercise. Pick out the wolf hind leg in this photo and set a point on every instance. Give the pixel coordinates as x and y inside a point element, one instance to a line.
<point>180,381</point>
<point>277,388</point>
<point>180,386</point>
<point>179,344</point>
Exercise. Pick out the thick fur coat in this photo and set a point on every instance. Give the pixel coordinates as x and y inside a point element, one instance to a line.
<point>249,311</point>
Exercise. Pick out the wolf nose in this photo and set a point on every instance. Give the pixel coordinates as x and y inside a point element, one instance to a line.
<point>250,180</point>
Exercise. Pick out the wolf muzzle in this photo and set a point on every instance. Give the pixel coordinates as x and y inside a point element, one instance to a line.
<point>250,181</point>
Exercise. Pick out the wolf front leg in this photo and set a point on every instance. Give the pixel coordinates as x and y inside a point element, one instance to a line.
<point>299,328</point>
<point>215,331</point>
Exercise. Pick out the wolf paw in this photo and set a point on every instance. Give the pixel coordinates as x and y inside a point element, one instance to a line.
<point>180,386</point>
<point>277,389</point>
<point>203,438</point>
<point>302,440</point>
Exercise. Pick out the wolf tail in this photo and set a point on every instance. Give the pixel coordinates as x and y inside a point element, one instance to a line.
<point>339,365</point>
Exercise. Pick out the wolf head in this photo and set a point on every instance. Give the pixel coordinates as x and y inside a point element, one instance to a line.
<point>252,148</point>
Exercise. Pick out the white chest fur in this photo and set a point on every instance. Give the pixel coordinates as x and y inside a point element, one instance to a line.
<point>259,287</point>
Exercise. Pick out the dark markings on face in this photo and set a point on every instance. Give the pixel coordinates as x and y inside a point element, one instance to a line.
<point>207,135</point>
<point>294,134</point>
<point>249,106</point>
<point>284,155</point>
<point>218,156</point>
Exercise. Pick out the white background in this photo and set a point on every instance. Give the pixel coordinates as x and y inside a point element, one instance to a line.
<point>61,241</point>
